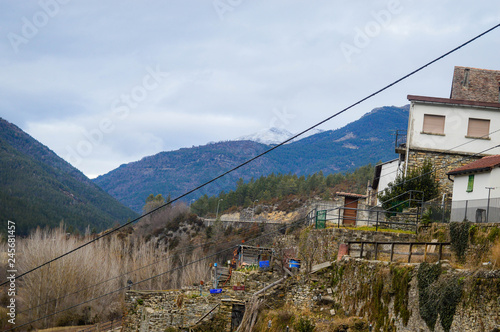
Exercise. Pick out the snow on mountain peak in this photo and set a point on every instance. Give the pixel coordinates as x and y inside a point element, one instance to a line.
<point>274,135</point>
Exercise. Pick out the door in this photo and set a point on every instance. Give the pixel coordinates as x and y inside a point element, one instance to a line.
<point>350,212</point>
<point>237,315</point>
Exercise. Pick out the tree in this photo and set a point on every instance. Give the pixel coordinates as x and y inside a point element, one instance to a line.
<point>153,202</point>
<point>420,180</point>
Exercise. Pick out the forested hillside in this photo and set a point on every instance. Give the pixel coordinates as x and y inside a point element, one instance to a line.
<point>283,188</point>
<point>367,140</point>
<point>37,188</point>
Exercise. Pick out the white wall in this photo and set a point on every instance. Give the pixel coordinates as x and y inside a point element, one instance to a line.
<point>388,174</point>
<point>455,128</point>
<point>465,204</point>
<point>481,181</point>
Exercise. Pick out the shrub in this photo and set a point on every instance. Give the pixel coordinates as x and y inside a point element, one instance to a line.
<point>422,179</point>
<point>304,325</point>
<point>459,235</point>
<point>494,234</point>
<point>427,274</point>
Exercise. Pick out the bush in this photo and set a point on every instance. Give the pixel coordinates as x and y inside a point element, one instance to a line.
<point>459,235</point>
<point>304,325</point>
<point>422,179</point>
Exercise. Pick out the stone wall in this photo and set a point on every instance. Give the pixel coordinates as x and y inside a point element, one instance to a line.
<point>475,84</point>
<point>443,162</point>
<point>387,295</point>
<point>158,310</point>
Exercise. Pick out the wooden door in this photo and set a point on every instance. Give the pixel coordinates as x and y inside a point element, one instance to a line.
<point>349,211</point>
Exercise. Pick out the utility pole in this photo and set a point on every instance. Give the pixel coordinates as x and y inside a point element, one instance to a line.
<point>217,213</point>
<point>488,205</point>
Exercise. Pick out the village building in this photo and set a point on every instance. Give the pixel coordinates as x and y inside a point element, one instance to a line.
<point>476,191</point>
<point>450,132</point>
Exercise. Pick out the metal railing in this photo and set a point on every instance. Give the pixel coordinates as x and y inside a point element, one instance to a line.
<point>437,211</point>
<point>400,141</point>
<point>477,210</point>
<point>365,217</point>
<point>412,200</point>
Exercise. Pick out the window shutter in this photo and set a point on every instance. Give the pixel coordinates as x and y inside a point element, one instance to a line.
<point>470,184</point>
<point>478,128</point>
<point>433,124</point>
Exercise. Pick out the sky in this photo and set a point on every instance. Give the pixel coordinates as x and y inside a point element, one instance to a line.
<point>103,83</point>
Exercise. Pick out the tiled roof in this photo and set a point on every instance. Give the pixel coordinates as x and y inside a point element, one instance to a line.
<point>483,164</point>
<point>452,101</point>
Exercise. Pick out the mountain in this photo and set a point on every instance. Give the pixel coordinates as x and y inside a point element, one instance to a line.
<point>274,135</point>
<point>367,140</point>
<point>38,188</point>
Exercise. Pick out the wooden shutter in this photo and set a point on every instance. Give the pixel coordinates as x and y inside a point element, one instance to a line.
<point>433,124</point>
<point>470,183</point>
<point>478,128</point>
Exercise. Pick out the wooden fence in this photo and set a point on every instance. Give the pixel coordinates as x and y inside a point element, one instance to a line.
<point>377,248</point>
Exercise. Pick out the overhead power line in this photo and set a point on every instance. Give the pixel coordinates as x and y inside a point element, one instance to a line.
<point>161,274</point>
<point>183,249</point>
<point>267,151</point>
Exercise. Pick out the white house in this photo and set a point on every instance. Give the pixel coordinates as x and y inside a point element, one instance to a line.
<point>476,191</point>
<point>454,131</point>
<point>385,173</point>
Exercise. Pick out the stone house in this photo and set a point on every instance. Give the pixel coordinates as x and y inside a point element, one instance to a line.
<point>346,209</point>
<point>454,131</point>
<point>476,191</point>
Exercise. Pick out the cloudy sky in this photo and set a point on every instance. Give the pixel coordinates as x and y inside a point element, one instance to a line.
<point>104,83</point>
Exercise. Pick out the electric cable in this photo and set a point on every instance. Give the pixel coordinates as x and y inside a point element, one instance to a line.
<point>265,152</point>
<point>160,274</point>
<point>451,149</point>
<point>232,247</point>
<point>175,251</point>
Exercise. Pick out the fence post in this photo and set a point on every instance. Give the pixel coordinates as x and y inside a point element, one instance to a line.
<point>376,224</point>
<point>361,251</point>
<point>440,251</point>
<point>466,203</point>
<point>376,250</point>
<point>392,251</point>
<point>409,253</point>
<point>338,219</point>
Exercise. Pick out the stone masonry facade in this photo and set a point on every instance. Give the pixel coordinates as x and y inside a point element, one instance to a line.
<point>476,84</point>
<point>156,311</point>
<point>443,163</point>
<point>477,310</point>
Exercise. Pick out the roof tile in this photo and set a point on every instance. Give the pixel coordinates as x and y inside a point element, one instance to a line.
<point>483,164</point>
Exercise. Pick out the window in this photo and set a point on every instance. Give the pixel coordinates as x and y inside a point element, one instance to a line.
<point>478,128</point>
<point>433,124</point>
<point>470,184</point>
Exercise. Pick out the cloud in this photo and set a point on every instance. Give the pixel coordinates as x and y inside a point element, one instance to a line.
<point>224,76</point>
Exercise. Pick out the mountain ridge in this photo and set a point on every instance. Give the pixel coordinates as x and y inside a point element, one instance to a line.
<point>366,140</point>
<point>38,188</point>
<point>274,135</point>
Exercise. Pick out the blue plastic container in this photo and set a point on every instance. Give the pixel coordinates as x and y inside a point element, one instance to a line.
<point>294,263</point>
<point>264,264</point>
<point>216,290</point>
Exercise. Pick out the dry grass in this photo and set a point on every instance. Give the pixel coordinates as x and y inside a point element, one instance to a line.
<point>102,267</point>
<point>495,254</point>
